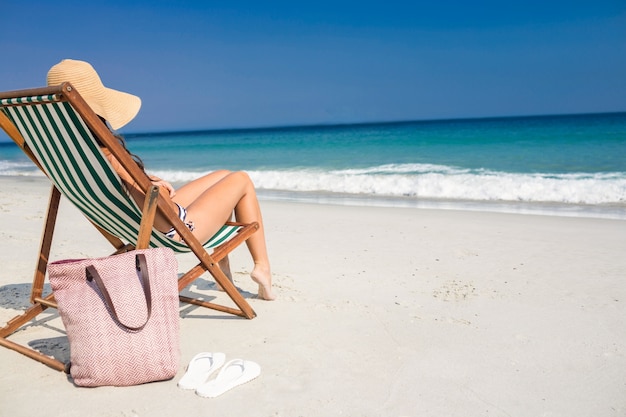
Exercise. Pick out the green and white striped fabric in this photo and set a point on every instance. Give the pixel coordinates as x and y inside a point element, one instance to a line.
<point>72,159</point>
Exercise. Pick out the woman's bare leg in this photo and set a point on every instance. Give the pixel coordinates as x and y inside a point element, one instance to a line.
<point>214,206</point>
<point>189,192</point>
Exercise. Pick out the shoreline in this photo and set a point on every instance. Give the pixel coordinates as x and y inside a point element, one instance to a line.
<point>380,312</point>
<point>600,211</point>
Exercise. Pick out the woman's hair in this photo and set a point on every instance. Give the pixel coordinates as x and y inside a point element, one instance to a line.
<point>122,142</point>
<point>137,159</point>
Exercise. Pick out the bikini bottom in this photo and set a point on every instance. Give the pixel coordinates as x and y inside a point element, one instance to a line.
<point>182,214</point>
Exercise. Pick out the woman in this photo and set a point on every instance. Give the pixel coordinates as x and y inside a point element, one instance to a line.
<point>204,204</point>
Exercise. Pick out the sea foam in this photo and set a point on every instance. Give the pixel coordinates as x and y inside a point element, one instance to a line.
<point>19,168</point>
<point>441,182</point>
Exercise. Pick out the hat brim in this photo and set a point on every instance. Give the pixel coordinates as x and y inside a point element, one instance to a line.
<point>118,107</point>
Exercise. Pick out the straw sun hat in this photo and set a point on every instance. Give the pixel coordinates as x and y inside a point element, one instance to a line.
<point>116,107</point>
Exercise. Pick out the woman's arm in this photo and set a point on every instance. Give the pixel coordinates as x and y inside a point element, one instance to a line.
<point>136,193</point>
<point>130,182</point>
<point>162,183</point>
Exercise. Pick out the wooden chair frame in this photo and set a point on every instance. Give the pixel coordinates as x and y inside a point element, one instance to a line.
<point>155,200</point>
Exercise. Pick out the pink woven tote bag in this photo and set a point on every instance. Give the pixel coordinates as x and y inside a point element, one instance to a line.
<point>121,315</point>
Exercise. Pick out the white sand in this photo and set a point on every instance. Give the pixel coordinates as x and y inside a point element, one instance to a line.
<point>381,312</point>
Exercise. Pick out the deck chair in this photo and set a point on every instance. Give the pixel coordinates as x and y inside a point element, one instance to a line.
<point>57,130</point>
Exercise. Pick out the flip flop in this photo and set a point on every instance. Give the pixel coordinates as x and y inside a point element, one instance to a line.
<point>200,368</point>
<point>234,373</point>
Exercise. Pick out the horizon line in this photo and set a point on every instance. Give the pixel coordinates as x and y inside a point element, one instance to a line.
<point>355,124</point>
<point>130,135</point>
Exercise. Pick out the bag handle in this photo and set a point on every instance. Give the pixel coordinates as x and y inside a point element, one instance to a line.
<point>142,267</point>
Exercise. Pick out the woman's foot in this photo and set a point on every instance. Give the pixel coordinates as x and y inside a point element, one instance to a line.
<point>262,276</point>
<point>224,265</point>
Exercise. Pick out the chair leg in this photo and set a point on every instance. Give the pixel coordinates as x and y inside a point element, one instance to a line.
<point>244,308</point>
<point>46,243</point>
<point>210,263</point>
<point>15,324</point>
<point>39,303</point>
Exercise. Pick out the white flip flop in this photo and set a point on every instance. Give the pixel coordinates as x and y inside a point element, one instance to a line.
<point>234,373</point>
<point>200,369</point>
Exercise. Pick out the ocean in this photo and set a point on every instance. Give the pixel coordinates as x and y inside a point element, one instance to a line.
<point>572,165</point>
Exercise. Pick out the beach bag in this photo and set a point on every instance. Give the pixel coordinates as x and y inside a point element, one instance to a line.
<point>121,315</point>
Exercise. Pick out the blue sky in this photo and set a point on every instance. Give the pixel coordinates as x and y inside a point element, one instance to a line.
<point>231,64</point>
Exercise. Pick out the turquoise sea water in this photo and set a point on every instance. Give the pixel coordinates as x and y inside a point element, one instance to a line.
<point>573,165</point>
